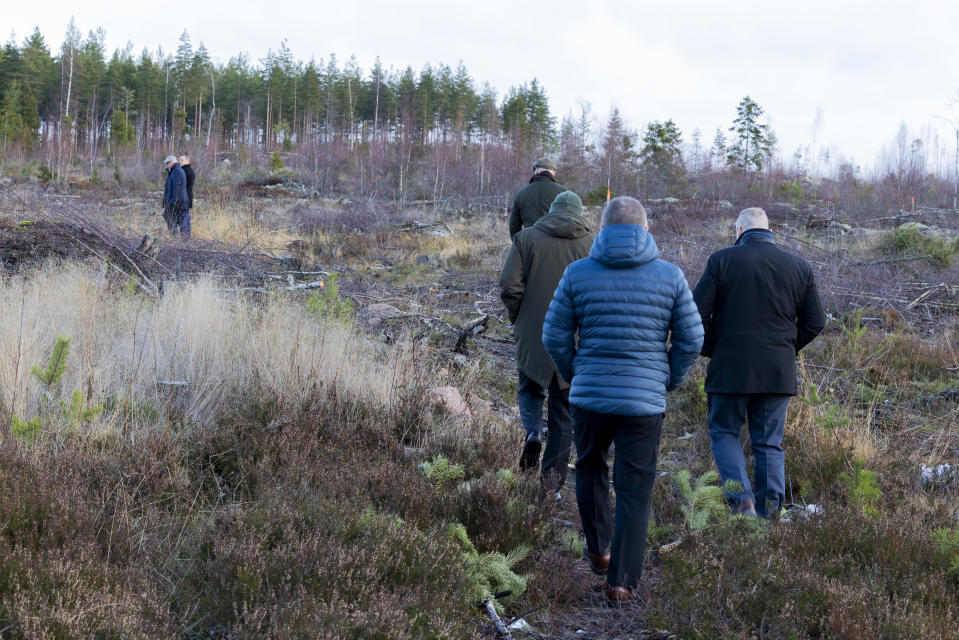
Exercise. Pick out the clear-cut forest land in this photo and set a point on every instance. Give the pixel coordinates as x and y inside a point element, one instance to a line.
<point>301,422</point>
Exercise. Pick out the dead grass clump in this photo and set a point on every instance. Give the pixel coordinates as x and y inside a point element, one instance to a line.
<point>215,344</point>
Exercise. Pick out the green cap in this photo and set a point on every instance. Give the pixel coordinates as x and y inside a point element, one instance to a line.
<point>567,202</point>
<point>544,163</point>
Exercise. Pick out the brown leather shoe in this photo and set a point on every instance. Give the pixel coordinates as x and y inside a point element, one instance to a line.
<point>619,596</point>
<point>599,564</point>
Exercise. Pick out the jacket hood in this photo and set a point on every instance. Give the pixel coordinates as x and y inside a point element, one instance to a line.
<point>620,246</point>
<point>563,224</point>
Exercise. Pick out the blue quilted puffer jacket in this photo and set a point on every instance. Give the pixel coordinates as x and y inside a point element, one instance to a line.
<point>625,303</point>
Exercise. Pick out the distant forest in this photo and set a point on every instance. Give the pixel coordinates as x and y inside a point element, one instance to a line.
<point>432,135</point>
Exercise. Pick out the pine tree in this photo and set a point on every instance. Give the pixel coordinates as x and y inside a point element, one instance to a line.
<point>753,140</point>
<point>662,158</point>
<point>13,131</point>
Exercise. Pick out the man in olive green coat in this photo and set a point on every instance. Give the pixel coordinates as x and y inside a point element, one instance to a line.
<point>536,262</point>
<point>532,201</point>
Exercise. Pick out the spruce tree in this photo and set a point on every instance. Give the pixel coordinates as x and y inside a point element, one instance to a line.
<point>753,141</point>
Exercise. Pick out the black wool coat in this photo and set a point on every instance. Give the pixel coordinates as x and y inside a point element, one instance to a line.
<point>532,202</point>
<point>759,307</point>
<point>190,179</point>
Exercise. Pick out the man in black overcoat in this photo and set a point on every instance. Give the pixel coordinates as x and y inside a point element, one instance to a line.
<point>175,199</point>
<point>759,307</point>
<point>532,201</point>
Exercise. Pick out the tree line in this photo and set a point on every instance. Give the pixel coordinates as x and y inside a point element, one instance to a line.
<point>428,134</point>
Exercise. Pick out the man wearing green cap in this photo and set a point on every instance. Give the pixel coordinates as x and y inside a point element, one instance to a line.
<point>532,201</point>
<point>533,268</point>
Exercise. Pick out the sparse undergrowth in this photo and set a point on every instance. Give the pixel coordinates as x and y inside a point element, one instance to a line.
<point>304,487</point>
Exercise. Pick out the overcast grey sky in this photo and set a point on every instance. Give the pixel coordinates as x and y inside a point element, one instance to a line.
<point>865,67</point>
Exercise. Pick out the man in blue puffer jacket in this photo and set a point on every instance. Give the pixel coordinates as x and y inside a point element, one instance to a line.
<point>639,332</point>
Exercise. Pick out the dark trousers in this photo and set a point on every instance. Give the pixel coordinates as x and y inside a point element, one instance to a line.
<point>177,220</point>
<point>531,397</point>
<point>184,224</point>
<point>634,470</point>
<point>766,415</point>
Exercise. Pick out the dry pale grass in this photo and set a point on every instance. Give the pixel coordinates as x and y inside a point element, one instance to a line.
<point>240,223</point>
<point>222,344</point>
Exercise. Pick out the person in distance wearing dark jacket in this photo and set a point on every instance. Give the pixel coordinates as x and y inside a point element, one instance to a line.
<point>759,307</point>
<point>190,179</point>
<point>533,201</point>
<point>638,334</point>
<point>533,267</point>
<point>175,198</point>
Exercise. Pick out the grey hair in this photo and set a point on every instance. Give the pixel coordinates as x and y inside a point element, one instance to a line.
<point>624,210</point>
<point>752,218</point>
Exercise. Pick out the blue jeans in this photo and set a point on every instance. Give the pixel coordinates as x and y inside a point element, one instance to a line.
<point>766,415</point>
<point>634,471</point>
<point>531,397</point>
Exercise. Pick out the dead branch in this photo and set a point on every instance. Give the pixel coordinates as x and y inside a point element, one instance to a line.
<point>474,328</point>
<point>501,631</point>
<point>928,292</point>
<point>889,261</point>
<point>898,217</point>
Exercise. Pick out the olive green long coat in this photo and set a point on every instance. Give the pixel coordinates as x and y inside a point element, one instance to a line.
<point>532,202</point>
<point>535,263</point>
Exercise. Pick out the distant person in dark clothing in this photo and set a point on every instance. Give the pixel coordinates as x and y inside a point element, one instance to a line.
<point>175,198</point>
<point>624,330</point>
<point>759,307</point>
<point>190,179</point>
<point>533,267</point>
<point>532,201</point>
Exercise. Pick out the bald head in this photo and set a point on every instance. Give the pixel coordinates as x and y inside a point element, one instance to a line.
<point>624,210</point>
<point>751,218</point>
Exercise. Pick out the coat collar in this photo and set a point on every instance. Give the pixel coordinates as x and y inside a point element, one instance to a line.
<point>756,235</point>
<point>541,176</point>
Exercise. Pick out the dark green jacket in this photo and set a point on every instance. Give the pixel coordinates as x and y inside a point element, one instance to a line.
<point>532,202</point>
<point>535,263</point>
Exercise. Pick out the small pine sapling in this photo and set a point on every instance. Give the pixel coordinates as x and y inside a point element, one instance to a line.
<point>947,541</point>
<point>27,432</point>
<point>490,573</point>
<point>327,303</point>
<point>56,365</point>
<point>72,413</point>
<point>703,500</point>
<point>863,488</point>
<point>441,472</point>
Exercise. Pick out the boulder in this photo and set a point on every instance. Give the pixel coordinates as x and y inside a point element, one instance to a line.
<point>450,399</point>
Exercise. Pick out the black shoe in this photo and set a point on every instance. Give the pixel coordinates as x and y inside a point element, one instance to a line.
<point>529,460</point>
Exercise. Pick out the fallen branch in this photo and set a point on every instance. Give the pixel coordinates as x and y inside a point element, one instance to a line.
<point>318,284</point>
<point>501,631</point>
<point>889,261</point>
<point>925,294</point>
<point>474,328</point>
<point>898,217</point>
<point>670,546</point>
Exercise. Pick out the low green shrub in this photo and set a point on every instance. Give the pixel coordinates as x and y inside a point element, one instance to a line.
<point>909,240</point>
<point>326,302</point>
